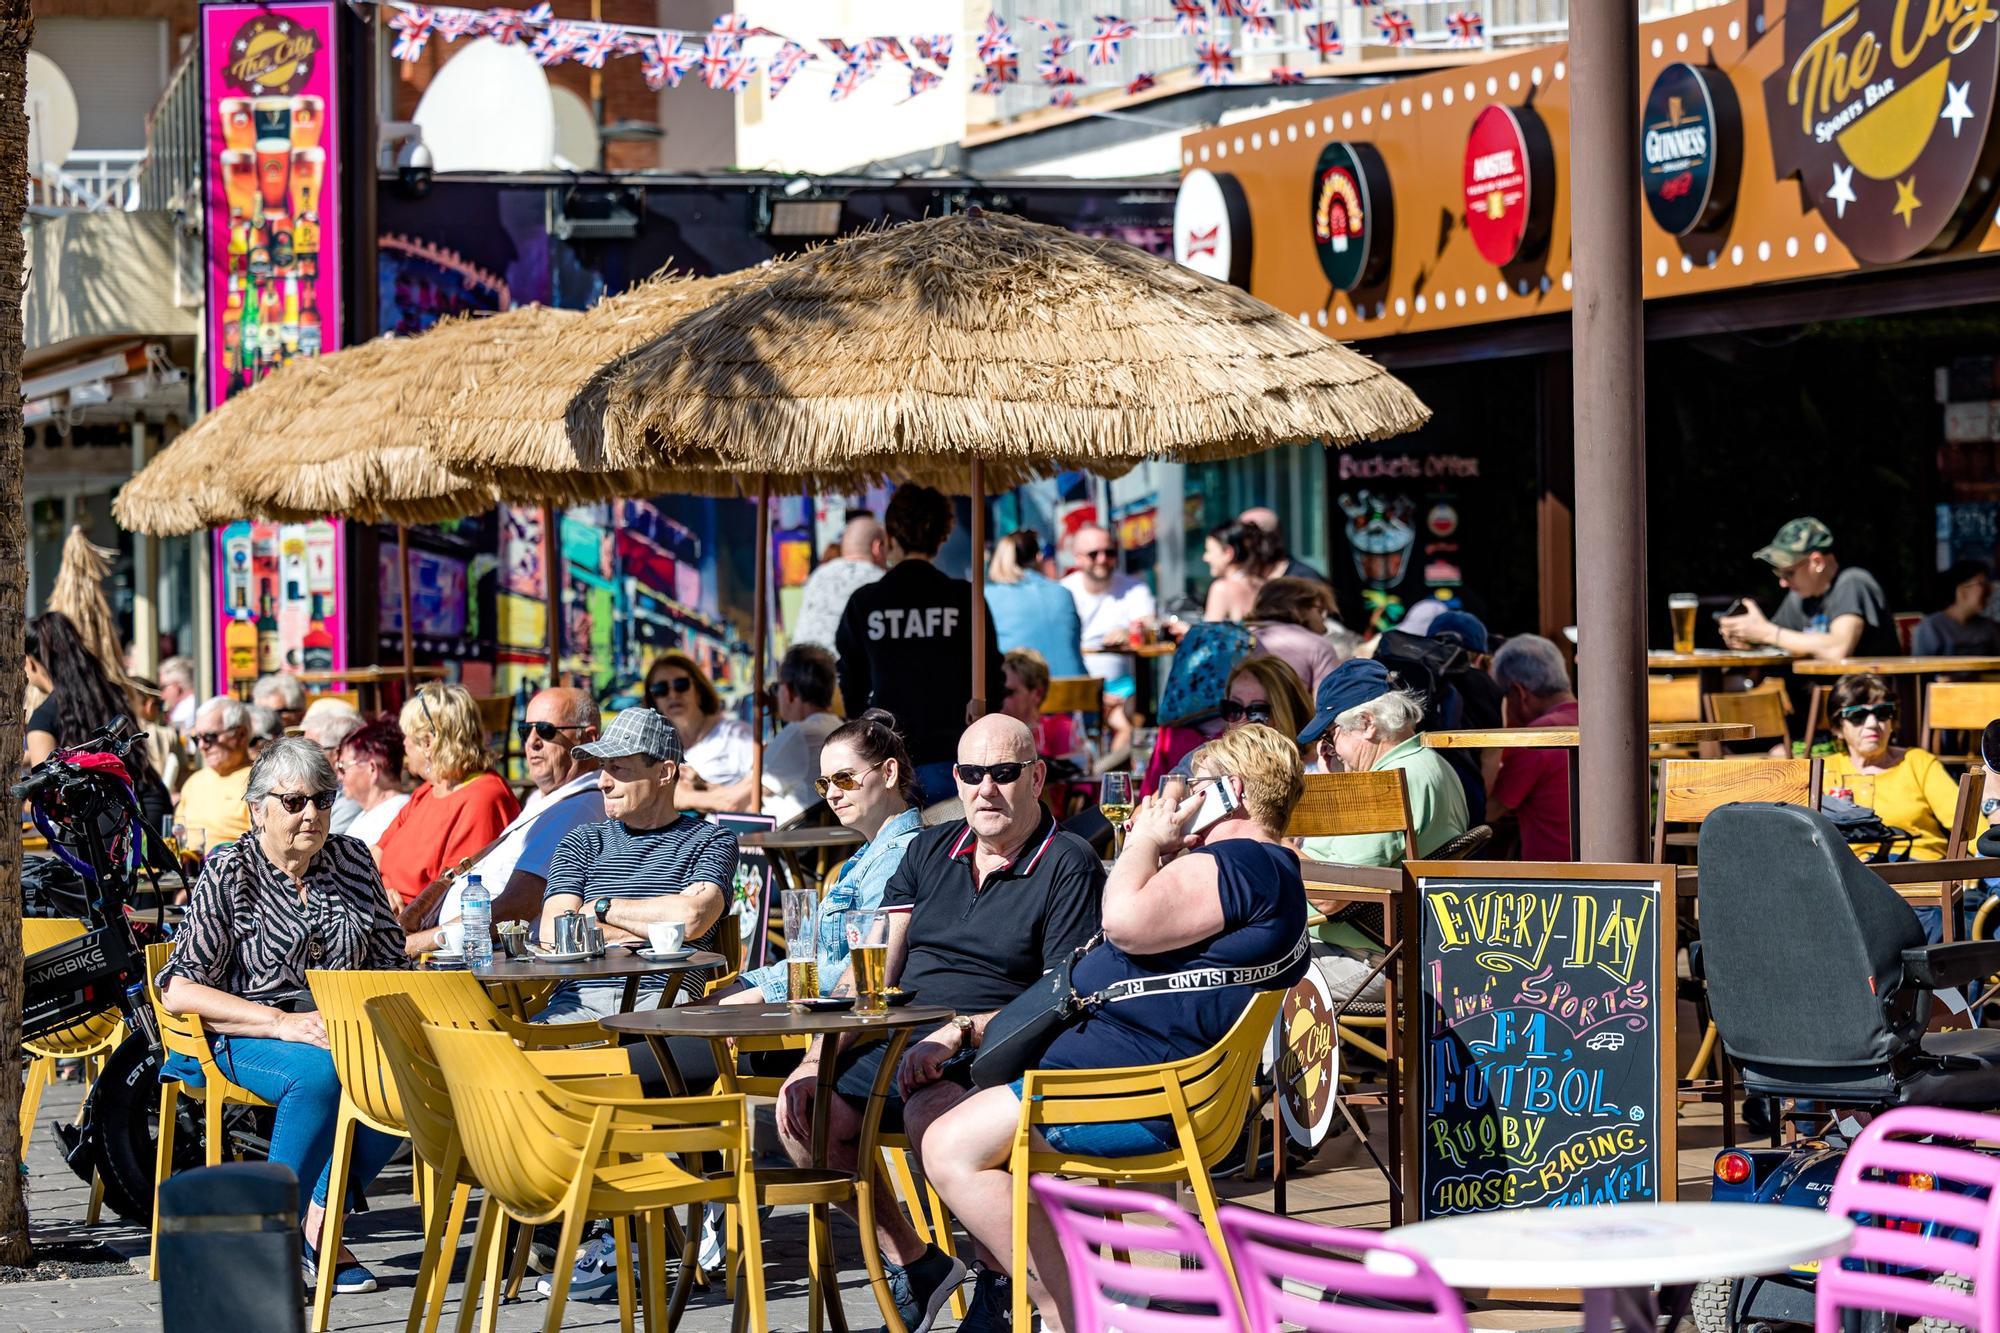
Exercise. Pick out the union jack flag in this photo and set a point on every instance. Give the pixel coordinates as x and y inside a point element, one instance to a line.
<point>1058,47</point>
<point>1064,98</point>
<point>935,48</point>
<point>717,51</point>
<point>999,71</point>
<point>790,59</point>
<point>508,26</point>
<point>1395,26</point>
<point>453,24</point>
<point>666,61</point>
<point>629,43</point>
<point>1325,39</point>
<point>995,40</point>
<point>556,43</point>
<point>597,45</point>
<point>923,80</point>
<point>1468,27</point>
<point>1217,62</point>
<point>735,27</point>
<point>1190,17</point>
<point>413,31</point>
<point>1256,23</point>
<point>842,52</point>
<point>1111,32</point>
<point>1286,74</point>
<point>1231,9</point>
<point>1055,73</point>
<point>852,75</point>
<point>1140,84</point>
<point>1299,6</point>
<point>1046,25</point>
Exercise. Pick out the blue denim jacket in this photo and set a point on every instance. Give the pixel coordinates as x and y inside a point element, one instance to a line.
<point>859,887</point>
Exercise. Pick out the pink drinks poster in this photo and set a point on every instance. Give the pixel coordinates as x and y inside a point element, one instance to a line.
<point>281,600</point>
<point>271,160</point>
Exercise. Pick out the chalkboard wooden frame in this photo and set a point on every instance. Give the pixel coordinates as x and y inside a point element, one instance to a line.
<point>1660,880</point>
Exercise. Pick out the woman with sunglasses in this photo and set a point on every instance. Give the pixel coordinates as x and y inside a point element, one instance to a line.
<point>1905,786</point>
<point>871,787</point>
<point>462,804</point>
<point>720,749</point>
<point>285,898</point>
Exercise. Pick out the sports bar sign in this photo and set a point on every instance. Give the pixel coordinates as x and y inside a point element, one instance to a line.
<point>270,155</point>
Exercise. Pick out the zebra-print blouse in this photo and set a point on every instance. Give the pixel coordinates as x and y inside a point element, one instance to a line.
<point>247,933</point>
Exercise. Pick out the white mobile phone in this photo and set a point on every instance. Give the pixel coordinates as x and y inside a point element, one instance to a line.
<point>1218,802</point>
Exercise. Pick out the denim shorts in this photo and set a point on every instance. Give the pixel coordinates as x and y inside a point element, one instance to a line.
<point>1111,1138</point>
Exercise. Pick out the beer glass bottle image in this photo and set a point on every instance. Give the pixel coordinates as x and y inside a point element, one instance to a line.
<point>308,120</point>
<point>308,173</point>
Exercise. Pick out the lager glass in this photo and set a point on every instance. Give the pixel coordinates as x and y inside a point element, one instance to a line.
<point>1681,607</point>
<point>868,954</point>
<point>801,908</point>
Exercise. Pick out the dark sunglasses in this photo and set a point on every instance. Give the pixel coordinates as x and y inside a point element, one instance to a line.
<point>1232,711</point>
<point>1105,554</point>
<point>295,802</point>
<point>1002,774</point>
<point>847,779</point>
<point>209,737</point>
<point>548,731</point>
<point>660,689</point>
<point>1859,713</point>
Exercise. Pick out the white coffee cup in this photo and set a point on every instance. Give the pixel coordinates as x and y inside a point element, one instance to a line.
<point>666,936</point>
<point>451,937</point>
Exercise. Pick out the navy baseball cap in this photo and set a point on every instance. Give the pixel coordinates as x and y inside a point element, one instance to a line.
<point>1351,684</point>
<point>1464,626</point>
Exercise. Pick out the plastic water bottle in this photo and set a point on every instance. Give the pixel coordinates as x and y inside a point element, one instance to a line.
<point>475,913</point>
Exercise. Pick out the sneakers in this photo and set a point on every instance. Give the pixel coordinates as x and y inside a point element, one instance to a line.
<point>595,1277</point>
<point>991,1309</point>
<point>349,1279</point>
<point>921,1289</point>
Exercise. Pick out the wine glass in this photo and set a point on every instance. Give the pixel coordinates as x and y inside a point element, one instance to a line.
<point>1114,802</point>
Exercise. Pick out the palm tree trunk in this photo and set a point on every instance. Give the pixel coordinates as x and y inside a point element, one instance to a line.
<point>17,31</point>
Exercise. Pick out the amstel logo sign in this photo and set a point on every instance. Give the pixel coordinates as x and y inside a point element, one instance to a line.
<point>1881,108</point>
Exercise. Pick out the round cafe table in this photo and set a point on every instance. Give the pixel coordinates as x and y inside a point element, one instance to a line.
<point>618,963</point>
<point>1618,1253</point>
<point>819,1185</point>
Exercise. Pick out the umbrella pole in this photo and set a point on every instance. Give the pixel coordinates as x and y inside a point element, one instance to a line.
<point>552,590</point>
<point>760,632</point>
<point>403,577</point>
<point>978,587</point>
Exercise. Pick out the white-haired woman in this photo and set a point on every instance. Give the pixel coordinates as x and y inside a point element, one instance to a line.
<point>285,898</point>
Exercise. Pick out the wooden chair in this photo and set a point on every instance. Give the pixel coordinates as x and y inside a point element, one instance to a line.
<point>1958,705</point>
<point>545,1151</point>
<point>350,697</point>
<point>1335,805</point>
<point>1673,698</point>
<point>1764,706</point>
<point>88,1040</point>
<point>1206,1096</point>
<point>1692,789</point>
<point>183,1034</point>
<point>1075,694</point>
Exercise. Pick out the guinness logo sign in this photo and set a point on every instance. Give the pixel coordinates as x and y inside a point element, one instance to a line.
<point>271,55</point>
<point>1690,149</point>
<point>1212,226</point>
<point>1353,217</point>
<point>1881,108</point>
<point>1510,180</point>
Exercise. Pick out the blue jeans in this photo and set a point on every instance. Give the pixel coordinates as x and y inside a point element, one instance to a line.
<point>300,1082</point>
<point>1111,1138</point>
<point>936,781</point>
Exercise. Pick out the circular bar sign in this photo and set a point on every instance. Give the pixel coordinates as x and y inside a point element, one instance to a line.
<point>1212,226</point>
<point>1689,149</point>
<point>1509,184</point>
<point>1353,216</point>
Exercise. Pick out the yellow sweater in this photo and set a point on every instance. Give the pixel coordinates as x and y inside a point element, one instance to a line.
<point>1916,795</point>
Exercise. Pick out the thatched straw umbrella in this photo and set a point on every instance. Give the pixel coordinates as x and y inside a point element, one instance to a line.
<point>79,594</point>
<point>982,340</point>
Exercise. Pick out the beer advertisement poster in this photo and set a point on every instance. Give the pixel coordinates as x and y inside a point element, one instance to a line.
<point>270,161</point>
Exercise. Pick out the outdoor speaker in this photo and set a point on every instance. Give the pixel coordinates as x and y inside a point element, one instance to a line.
<point>229,1250</point>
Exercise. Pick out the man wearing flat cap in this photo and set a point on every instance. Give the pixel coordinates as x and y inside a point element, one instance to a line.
<point>1830,611</point>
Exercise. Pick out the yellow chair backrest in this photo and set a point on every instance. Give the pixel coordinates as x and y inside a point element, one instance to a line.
<point>86,1036</point>
<point>420,1086</point>
<point>1337,804</point>
<point>181,1034</point>
<point>1961,705</point>
<point>455,998</point>
<point>1074,694</point>
<point>1762,707</point>
<point>1673,698</point>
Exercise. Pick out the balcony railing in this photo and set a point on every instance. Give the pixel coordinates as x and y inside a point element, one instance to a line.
<point>91,182</point>
<point>171,176</point>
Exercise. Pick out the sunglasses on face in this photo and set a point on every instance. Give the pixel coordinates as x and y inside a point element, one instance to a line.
<point>296,801</point>
<point>206,739</point>
<point>1002,774</point>
<point>1860,713</point>
<point>1233,711</point>
<point>847,779</point>
<point>1104,554</point>
<point>548,731</point>
<point>660,689</point>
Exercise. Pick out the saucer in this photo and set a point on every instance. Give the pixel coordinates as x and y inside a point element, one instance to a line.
<point>668,956</point>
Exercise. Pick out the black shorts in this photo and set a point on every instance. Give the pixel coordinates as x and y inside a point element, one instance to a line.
<point>854,1079</point>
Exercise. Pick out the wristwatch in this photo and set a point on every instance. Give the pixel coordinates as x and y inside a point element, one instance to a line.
<point>603,909</point>
<point>965,1029</point>
<point>1989,805</point>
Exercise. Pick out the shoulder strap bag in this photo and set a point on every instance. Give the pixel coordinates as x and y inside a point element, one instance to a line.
<point>1017,1036</point>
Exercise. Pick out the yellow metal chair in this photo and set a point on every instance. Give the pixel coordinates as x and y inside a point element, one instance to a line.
<point>88,1039</point>
<point>1206,1096</point>
<point>183,1034</point>
<point>546,1152</point>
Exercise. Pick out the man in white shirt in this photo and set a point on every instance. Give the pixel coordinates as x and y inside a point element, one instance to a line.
<point>177,693</point>
<point>1109,604</point>
<point>514,870</point>
<point>864,558</point>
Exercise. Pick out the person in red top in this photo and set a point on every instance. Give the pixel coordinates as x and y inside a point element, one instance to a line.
<point>462,805</point>
<point>1533,785</point>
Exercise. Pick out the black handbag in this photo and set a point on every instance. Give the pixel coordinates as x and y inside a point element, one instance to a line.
<point>1017,1036</point>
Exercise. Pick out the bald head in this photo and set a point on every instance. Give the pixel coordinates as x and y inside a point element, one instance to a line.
<point>1002,814</point>
<point>559,719</point>
<point>864,539</point>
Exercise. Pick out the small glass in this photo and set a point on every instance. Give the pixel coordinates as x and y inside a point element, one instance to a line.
<point>868,955</point>
<point>1114,802</point>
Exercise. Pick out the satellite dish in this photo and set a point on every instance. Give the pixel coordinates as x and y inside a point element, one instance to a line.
<point>489,109</point>
<point>578,147</point>
<point>52,117</point>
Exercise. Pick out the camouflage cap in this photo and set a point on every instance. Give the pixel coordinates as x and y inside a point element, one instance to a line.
<point>1795,541</point>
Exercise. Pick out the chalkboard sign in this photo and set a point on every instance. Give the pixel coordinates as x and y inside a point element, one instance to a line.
<point>1540,1034</point>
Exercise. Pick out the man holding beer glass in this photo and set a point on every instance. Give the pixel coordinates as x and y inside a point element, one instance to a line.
<point>990,903</point>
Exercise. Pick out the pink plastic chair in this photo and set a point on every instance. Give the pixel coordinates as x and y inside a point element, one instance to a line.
<point>1100,1248</point>
<point>1877,1207</point>
<point>1268,1250</point>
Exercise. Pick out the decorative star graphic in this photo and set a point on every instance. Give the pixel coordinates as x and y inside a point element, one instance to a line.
<point>1842,192</point>
<point>1959,108</point>
<point>1907,202</point>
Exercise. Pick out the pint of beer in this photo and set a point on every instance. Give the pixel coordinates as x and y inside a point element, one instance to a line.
<point>239,130</point>
<point>1681,607</point>
<point>868,946</point>
<point>308,120</point>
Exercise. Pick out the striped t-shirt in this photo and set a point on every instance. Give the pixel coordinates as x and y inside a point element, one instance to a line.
<point>608,859</point>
